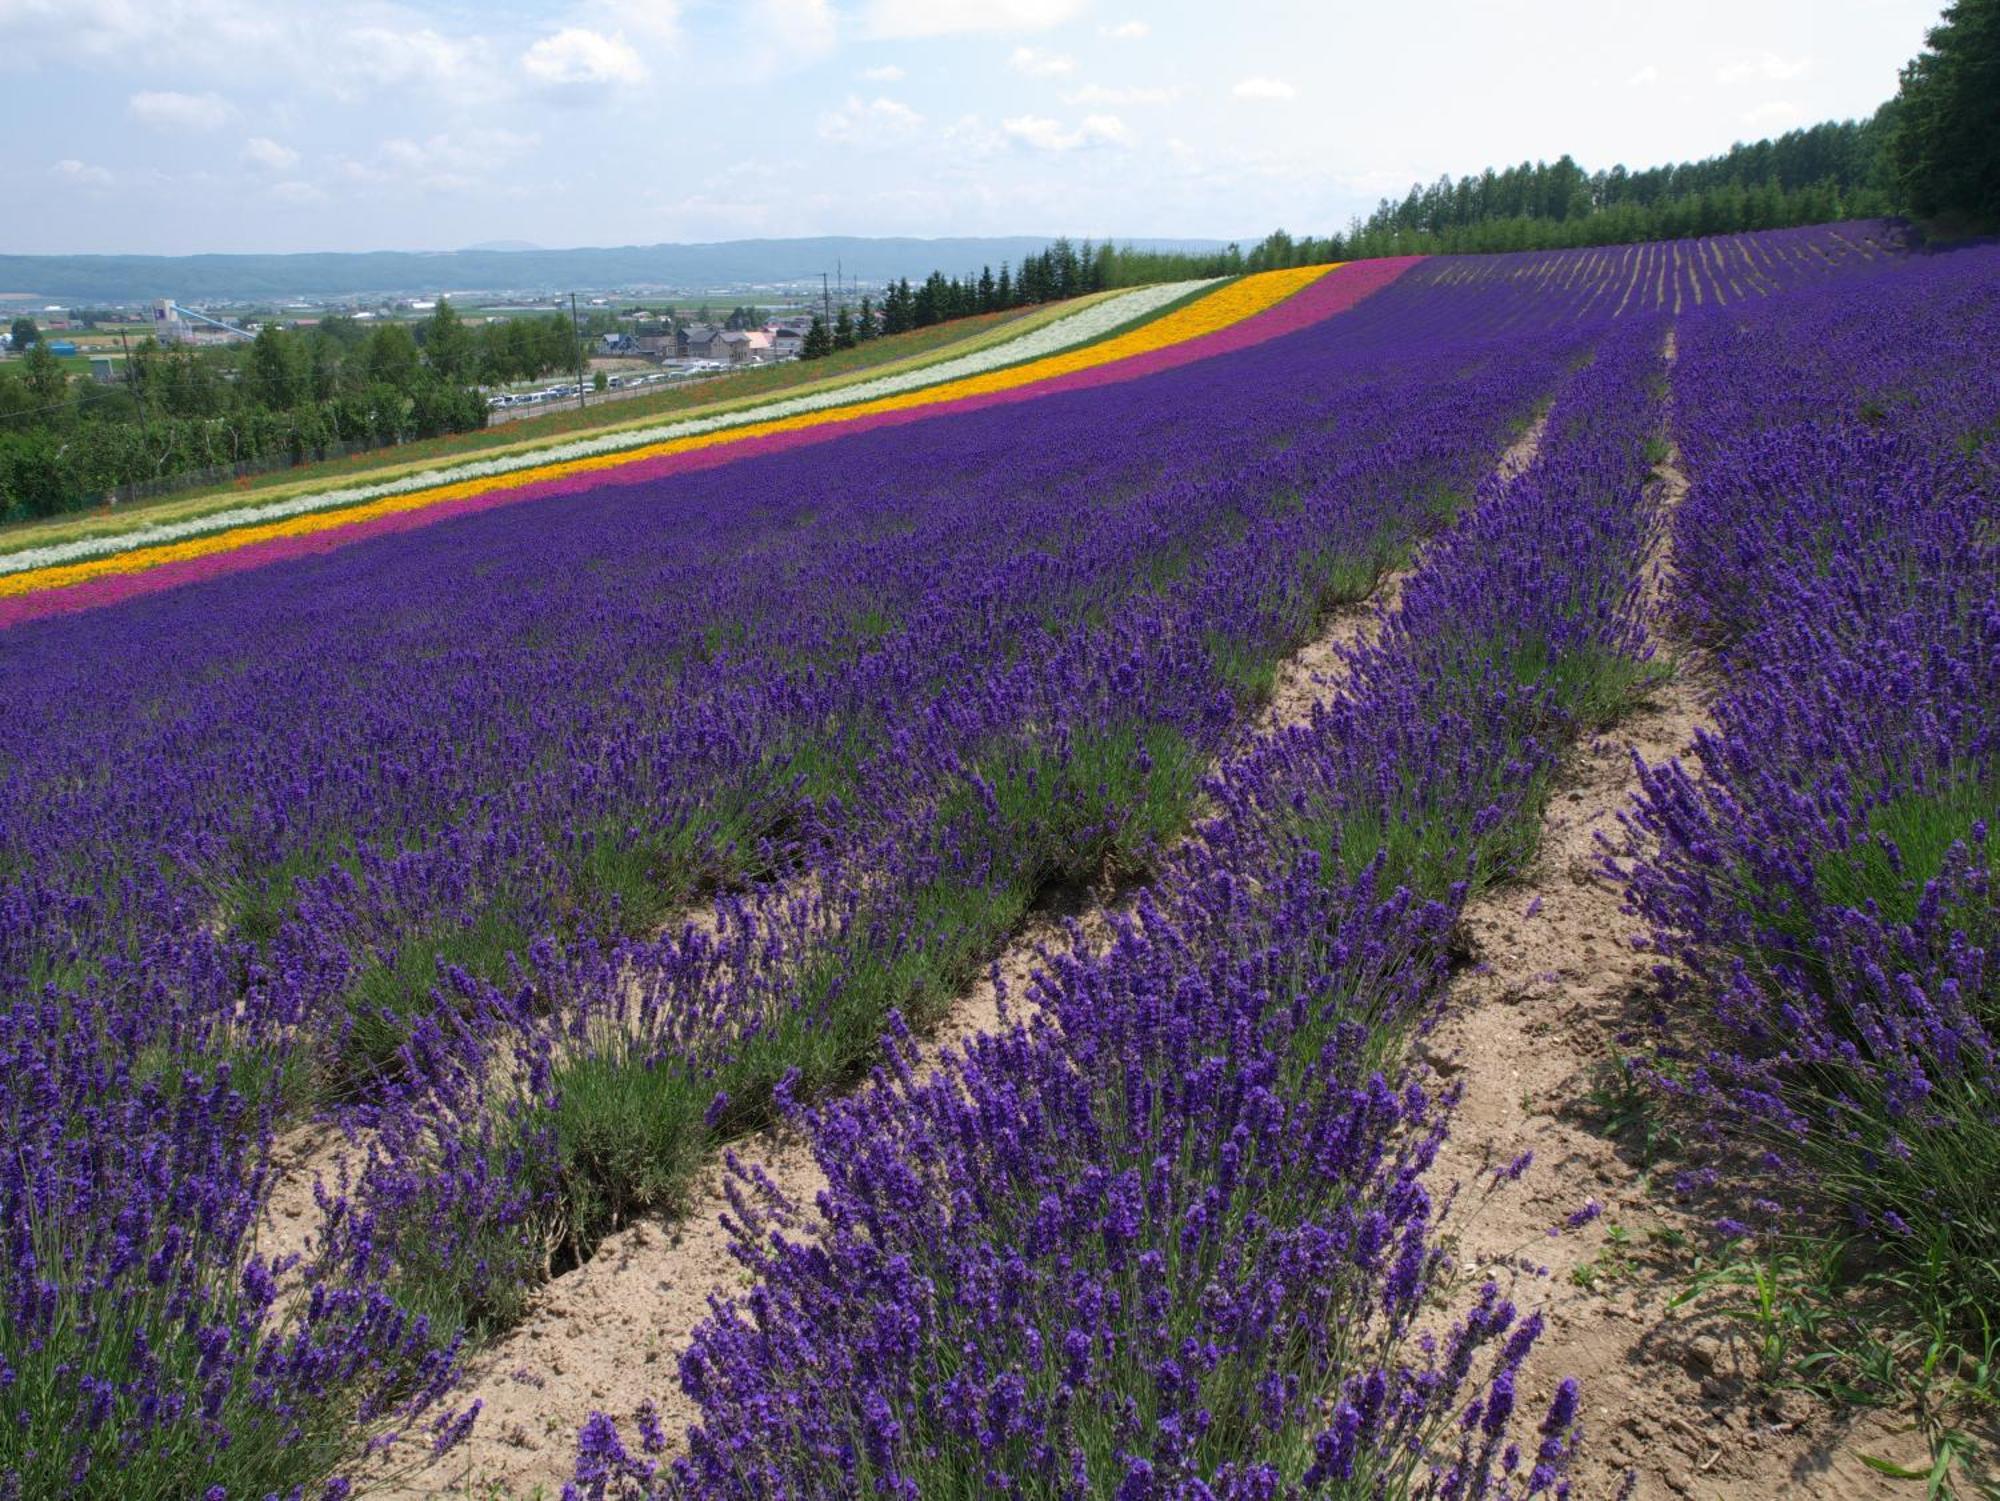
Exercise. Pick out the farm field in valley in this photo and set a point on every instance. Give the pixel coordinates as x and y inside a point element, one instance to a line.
<point>1370,879</point>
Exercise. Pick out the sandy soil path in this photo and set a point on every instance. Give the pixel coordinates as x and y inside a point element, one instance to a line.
<point>1531,1035</point>
<point>607,1336</point>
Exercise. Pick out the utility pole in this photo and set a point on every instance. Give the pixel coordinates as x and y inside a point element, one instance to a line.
<point>138,391</point>
<point>578,333</point>
<point>826,301</point>
<point>132,381</point>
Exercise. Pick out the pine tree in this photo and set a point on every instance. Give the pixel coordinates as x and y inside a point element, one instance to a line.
<point>819,343</point>
<point>898,309</point>
<point>843,329</point>
<point>864,325</point>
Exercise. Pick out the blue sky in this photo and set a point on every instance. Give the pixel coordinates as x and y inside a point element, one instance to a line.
<point>176,126</point>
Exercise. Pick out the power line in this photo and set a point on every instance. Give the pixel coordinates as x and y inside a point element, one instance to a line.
<point>67,401</point>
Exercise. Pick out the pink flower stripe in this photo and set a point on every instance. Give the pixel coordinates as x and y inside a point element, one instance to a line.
<point>1321,299</point>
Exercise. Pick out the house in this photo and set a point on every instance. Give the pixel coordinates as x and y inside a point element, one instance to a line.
<point>733,348</point>
<point>786,343</point>
<point>617,344</point>
<point>748,347</point>
<point>699,341</point>
<point>656,346</point>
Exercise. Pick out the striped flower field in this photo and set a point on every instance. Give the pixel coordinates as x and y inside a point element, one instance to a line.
<point>1119,338</point>
<point>417,907</point>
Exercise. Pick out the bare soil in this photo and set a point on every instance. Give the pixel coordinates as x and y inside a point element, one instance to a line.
<point>1672,1397</point>
<point>607,1336</point>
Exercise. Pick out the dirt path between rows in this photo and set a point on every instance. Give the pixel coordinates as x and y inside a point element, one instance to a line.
<point>1531,1035</point>
<point>607,1336</point>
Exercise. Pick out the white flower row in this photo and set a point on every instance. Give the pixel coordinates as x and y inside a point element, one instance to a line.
<point>1059,334</point>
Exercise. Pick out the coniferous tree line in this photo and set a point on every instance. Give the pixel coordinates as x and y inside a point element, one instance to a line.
<point>1931,153</point>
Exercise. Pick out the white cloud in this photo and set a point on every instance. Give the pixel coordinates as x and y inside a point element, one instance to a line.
<point>1039,64</point>
<point>441,162</point>
<point>174,111</point>
<point>367,58</point>
<point>1264,88</point>
<point>656,21</point>
<point>1772,113</point>
<point>297,193</point>
<point>1767,68</point>
<point>887,73</point>
<point>83,174</point>
<point>1097,93</point>
<point>262,151</point>
<point>1645,76</point>
<point>1126,31</point>
<point>577,56</point>
<point>1044,134</point>
<point>796,30</point>
<point>916,18</point>
<point>191,31</point>
<point>871,121</point>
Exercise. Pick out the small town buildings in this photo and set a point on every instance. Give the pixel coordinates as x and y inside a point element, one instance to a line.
<point>699,341</point>
<point>745,347</point>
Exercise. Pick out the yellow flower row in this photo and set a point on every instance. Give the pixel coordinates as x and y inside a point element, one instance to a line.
<point>1240,299</point>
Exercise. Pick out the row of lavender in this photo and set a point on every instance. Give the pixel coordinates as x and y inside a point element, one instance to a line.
<point>1168,1236</point>
<point>318,782</point>
<point>1822,881</point>
<point>620,1069</point>
<point>984,645</point>
<point>247,823</point>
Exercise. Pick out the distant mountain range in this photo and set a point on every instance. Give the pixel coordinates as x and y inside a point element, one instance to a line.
<point>720,266</point>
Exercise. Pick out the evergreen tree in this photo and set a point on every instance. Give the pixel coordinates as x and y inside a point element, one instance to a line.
<point>819,343</point>
<point>864,325</point>
<point>898,308</point>
<point>843,329</point>
<point>1944,135</point>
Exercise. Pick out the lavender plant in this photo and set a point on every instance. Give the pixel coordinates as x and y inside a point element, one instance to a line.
<point>1821,880</point>
<point>1170,1237</point>
<point>406,835</point>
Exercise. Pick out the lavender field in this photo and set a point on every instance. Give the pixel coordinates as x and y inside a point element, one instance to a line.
<point>533,859</point>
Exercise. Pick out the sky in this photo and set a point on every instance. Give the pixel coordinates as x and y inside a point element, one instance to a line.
<point>182,126</point>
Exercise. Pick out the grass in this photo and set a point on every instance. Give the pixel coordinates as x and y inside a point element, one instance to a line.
<point>633,1120</point>
<point>1819,1314</point>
